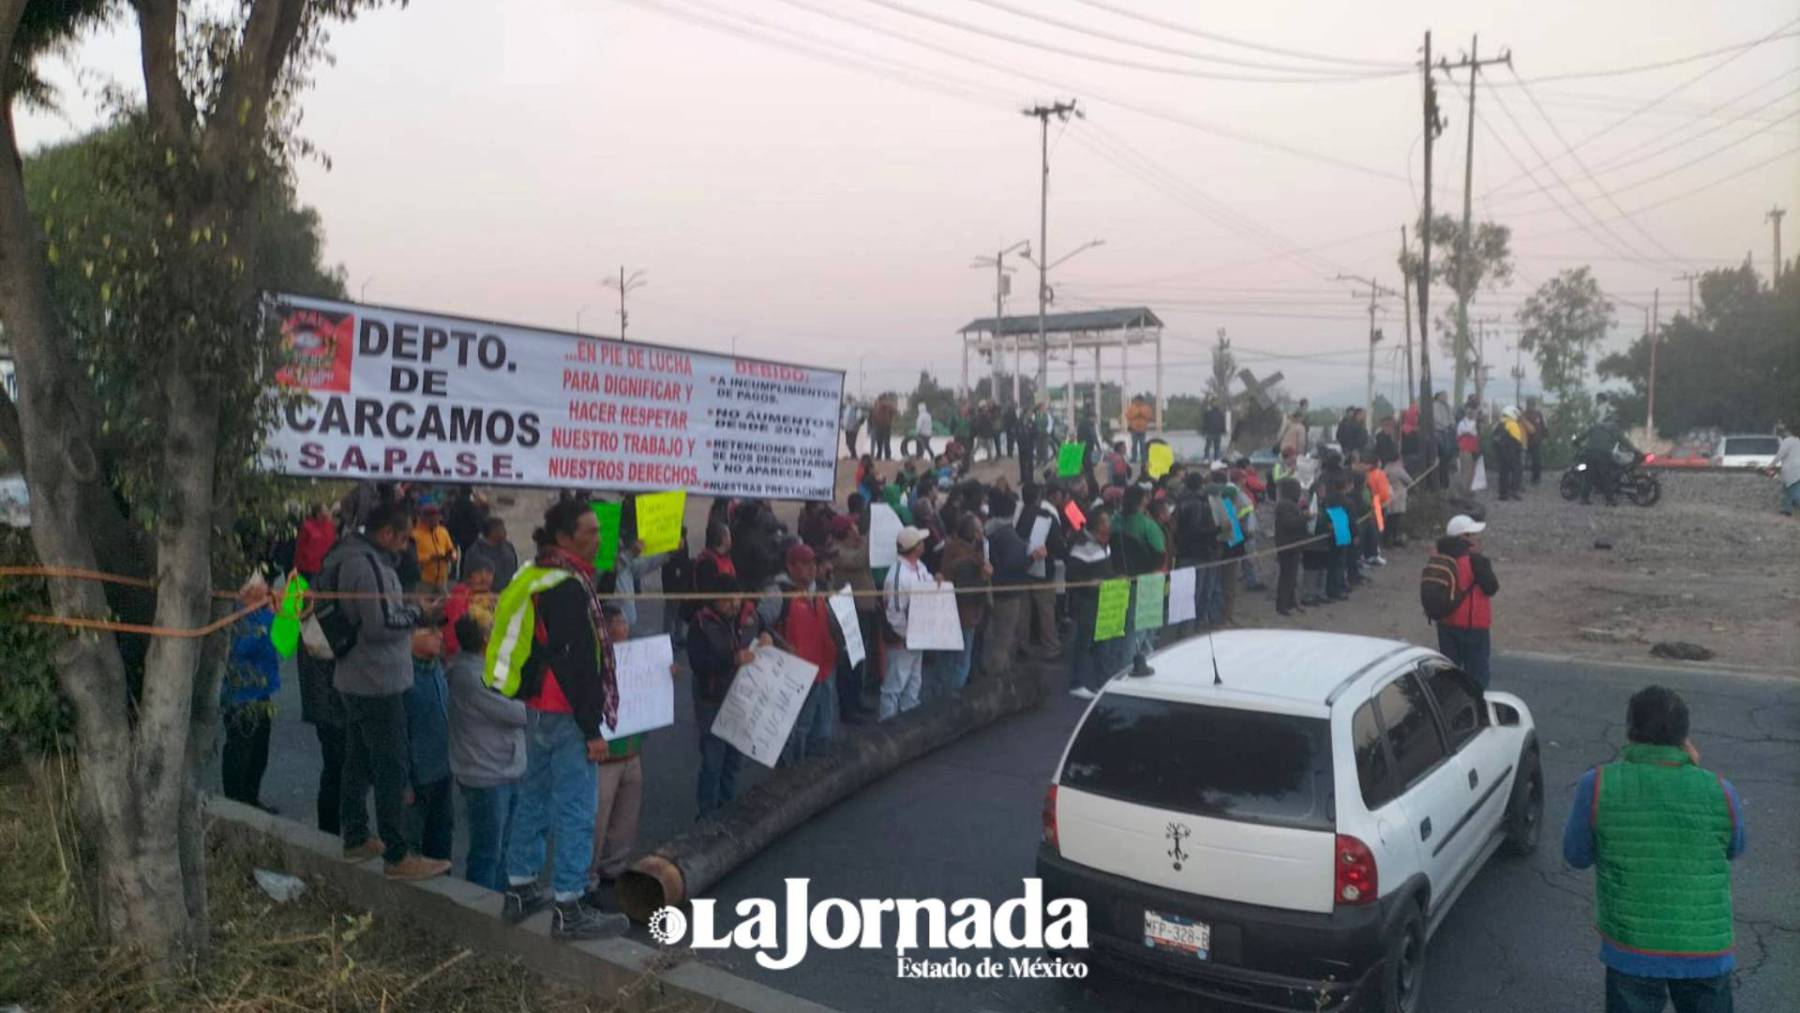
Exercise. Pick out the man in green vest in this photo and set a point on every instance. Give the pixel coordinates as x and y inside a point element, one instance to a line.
<point>1660,832</point>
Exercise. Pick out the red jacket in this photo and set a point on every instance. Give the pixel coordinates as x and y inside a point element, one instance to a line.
<point>317,536</point>
<point>1477,609</point>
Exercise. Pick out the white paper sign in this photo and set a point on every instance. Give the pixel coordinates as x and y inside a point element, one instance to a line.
<point>884,529</point>
<point>844,607</point>
<point>931,620</point>
<point>405,395</point>
<point>765,698</point>
<point>1479,482</point>
<point>1040,537</point>
<point>646,686</point>
<point>1181,595</point>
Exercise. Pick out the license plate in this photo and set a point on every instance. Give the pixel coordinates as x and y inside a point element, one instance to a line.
<point>1178,934</point>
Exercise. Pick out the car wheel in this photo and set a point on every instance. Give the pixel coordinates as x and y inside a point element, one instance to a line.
<point>1525,814</point>
<point>1403,969</point>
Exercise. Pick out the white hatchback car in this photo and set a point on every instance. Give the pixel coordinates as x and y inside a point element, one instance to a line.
<point>1286,826</point>
<point>1745,450</point>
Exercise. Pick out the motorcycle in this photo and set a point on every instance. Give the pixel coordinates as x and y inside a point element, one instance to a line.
<point>1636,482</point>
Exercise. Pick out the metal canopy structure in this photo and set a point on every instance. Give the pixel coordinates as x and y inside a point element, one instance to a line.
<point>1067,336</point>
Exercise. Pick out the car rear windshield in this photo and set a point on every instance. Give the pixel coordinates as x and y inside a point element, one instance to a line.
<point>1243,765</point>
<point>1735,445</point>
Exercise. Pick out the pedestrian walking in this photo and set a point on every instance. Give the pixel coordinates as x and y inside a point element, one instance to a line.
<point>1509,453</point>
<point>1660,833</point>
<point>1537,431</point>
<point>851,420</point>
<point>1464,634</point>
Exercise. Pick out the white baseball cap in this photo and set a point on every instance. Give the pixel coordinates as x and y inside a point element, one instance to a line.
<point>910,538</point>
<point>1463,524</point>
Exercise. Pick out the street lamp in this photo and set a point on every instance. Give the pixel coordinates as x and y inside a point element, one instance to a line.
<point>362,294</point>
<point>1065,258</point>
<point>624,286</point>
<point>578,313</point>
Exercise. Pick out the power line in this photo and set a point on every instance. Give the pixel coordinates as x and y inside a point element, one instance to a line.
<point>1078,54</point>
<point>1203,126</point>
<point>1080,29</point>
<point>1173,26</point>
<point>1609,128</point>
<point>1582,164</point>
<point>1631,153</point>
<point>1740,47</point>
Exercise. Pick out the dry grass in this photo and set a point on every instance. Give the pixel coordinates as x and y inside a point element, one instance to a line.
<point>319,952</point>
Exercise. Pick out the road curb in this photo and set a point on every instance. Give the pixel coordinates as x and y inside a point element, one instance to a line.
<point>635,976</point>
<point>1651,661</point>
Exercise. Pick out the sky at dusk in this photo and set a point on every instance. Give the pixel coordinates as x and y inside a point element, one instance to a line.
<point>810,180</point>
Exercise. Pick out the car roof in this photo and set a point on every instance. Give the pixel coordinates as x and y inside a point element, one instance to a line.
<point>1290,671</point>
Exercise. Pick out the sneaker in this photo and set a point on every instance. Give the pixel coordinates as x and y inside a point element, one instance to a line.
<point>1082,693</point>
<point>523,901</point>
<point>371,848</point>
<point>416,867</point>
<point>1377,561</point>
<point>577,920</point>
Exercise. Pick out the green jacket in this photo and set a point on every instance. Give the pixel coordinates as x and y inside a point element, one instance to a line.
<point>1662,829</point>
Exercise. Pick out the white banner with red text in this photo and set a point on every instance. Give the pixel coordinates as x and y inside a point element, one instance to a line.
<point>396,394</point>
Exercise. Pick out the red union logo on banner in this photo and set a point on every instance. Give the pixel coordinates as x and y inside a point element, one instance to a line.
<point>318,345</point>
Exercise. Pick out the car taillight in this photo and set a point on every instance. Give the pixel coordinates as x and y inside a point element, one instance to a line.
<point>1355,879</point>
<point>1050,817</point>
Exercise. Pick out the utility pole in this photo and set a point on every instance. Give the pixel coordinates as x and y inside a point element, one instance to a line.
<point>1481,367</point>
<point>1690,278</point>
<point>1376,291</point>
<point>1518,373</point>
<point>1406,302</point>
<point>1001,290</point>
<point>626,286</point>
<point>1655,325</point>
<point>1434,125</point>
<point>1474,63</point>
<point>1062,111</point>
<point>1774,217</point>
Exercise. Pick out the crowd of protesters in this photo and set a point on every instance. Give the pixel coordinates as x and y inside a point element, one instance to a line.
<point>401,690</point>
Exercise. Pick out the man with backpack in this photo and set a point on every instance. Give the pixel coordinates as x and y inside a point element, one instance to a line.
<point>1455,590</point>
<point>371,636</point>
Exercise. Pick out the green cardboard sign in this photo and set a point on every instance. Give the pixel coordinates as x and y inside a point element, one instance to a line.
<point>1068,460</point>
<point>284,632</point>
<point>1148,613</point>
<point>1115,602</point>
<point>608,514</point>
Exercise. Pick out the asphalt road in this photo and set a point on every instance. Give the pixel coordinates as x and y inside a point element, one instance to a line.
<point>964,822</point>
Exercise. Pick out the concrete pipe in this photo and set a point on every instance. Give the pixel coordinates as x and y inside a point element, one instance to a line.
<point>695,860</point>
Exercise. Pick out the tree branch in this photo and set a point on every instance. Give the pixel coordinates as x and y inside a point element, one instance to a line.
<point>159,42</point>
<point>269,35</point>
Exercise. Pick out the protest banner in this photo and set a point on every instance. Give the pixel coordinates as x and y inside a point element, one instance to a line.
<point>1159,458</point>
<point>1109,616</point>
<point>1068,460</point>
<point>646,686</point>
<point>1072,513</point>
<point>765,698</point>
<point>1181,595</point>
<point>843,606</point>
<point>400,394</point>
<point>931,620</point>
<point>1147,613</point>
<point>884,530</point>
<point>609,515</point>
<point>659,519</point>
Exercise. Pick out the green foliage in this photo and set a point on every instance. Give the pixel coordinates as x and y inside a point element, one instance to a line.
<point>1184,411</point>
<point>135,287</point>
<point>34,717</point>
<point>1561,324</point>
<point>1735,365</point>
<point>1224,367</point>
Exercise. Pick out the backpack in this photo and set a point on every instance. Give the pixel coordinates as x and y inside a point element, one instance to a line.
<point>336,624</point>
<point>514,667</point>
<point>1196,529</point>
<point>1438,594</point>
